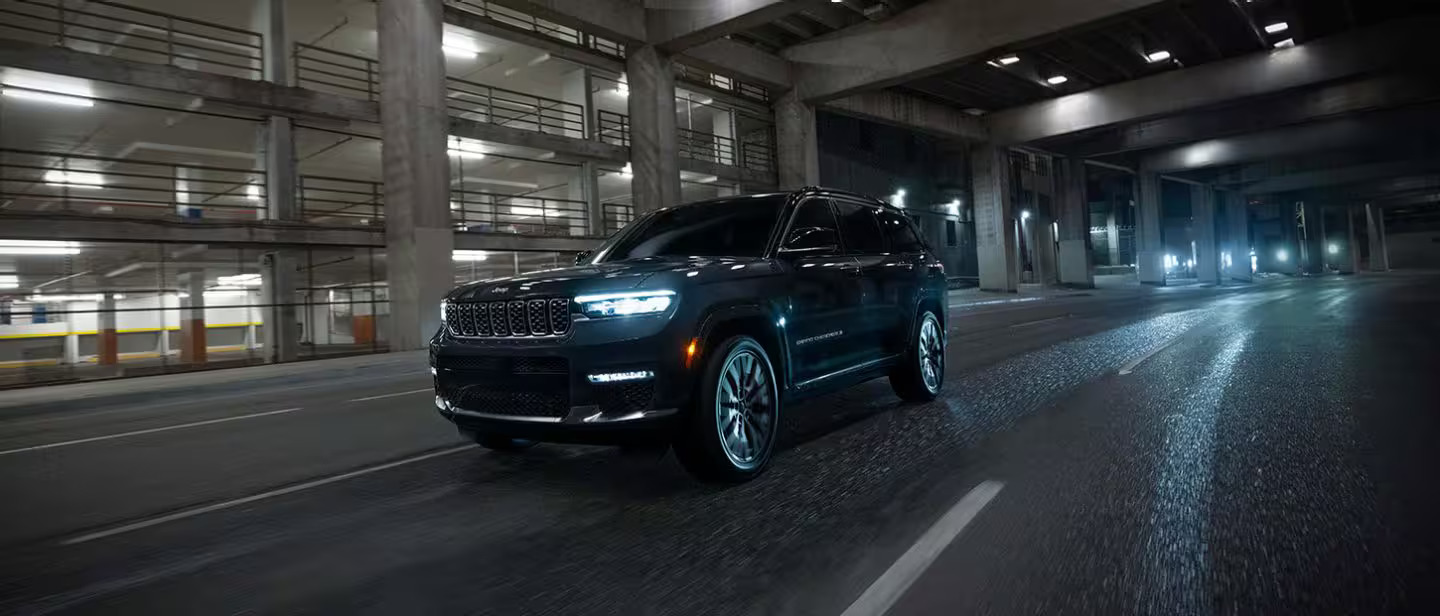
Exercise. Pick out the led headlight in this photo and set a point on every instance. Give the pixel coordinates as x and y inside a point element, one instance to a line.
<point>625,304</point>
<point>444,303</point>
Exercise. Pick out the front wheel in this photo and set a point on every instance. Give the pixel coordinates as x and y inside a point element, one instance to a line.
<point>730,433</point>
<point>919,377</point>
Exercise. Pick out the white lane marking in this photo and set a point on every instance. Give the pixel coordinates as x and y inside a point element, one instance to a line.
<point>190,513</point>
<point>398,393</point>
<point>1130,367</point>
<point>1029,323</point>
<point>891,585</point>
<point>146,431</point>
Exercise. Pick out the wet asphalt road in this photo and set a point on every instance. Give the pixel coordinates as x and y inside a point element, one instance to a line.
<point>1273,452</point>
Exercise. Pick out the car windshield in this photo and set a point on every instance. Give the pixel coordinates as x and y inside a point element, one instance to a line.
<point>724,228</point>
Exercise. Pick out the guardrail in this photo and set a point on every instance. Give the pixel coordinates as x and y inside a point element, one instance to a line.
<point>708,79</point>
<point>116,30</point>
<point>523,21</point>
<point>328,200</point>
<point>337,72</point>
<point>48,181</point>
<point>524,215</point>
<point>758,155</point>
<point>614,128</point>
<point>615,216</point>
<point>482,103</point>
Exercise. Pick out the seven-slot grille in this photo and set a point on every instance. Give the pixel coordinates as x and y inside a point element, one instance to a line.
<point>509,319</point>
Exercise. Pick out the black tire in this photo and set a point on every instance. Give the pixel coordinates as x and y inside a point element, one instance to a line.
<point>909,379</point>
<point>497,442</point>
<point>746,417</point>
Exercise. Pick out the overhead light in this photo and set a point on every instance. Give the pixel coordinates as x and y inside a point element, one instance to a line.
<point>465,148</point>
<point>459,46</point>
<point>898,199</point>
<point>1290,42</point>
<point>1158,56</point>
<point>1007,60</point>
<point>9,281</point>
<point>73,179</point>
<point>1282,255</point>
<point>252,192</point>
<point>622,88</point>
<point>1057,80</point>
<point>1277,27</point>
<point>1334,248</point>
<point>468,255</point>
<point>40,299</point>
<point>627,170</point>
<point>240,280</point>
<point>38,247</point>
<point>46,97</point>
<point>953,206</point>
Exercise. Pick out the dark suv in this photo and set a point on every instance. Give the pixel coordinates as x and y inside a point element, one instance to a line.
<point>695,325</point>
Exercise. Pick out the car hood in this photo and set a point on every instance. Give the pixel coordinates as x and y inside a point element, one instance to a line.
<point>602,278</point>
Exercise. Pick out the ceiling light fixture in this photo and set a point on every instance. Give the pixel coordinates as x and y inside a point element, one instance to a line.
<point>9,281</point>
<point>468,255</point>
<point>1157,56</point>
<point>240,280</point>
<point>464,148</point>
<point>1290,42</point>
<point>1277,27</point>
<point>73,179</point>
<point>1008,60</point>
<point>38,247</point>
<point>252,192</point>
<point>627,170</point>
<point>46,97</point>
<point>1057,80</point>
<point>459,47</point>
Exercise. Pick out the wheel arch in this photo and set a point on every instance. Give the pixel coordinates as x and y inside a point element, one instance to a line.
<point>760,322</point>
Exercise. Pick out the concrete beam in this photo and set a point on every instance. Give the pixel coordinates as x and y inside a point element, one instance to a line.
<point>677,25</point>
<point>463,18</point>
<point>50,225</point>
<point>1395,44</point>
<point>727,57</point>
<point>1340,177</point>
<point>933,37</point>
<point>507,241</point>
<point>568,147</point>
<point>1367,94</point>
<point>613,19</point>
<point>247,93</point>
<point>1282,142</point>
<point>748,177</point>
<point>913,113</point>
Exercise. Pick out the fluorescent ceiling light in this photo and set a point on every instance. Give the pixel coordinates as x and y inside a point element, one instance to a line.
<point>1158,56</point>
<point>252,192</point>
<point>1290,42</point>
<point>468,255</point>
<point>46,97</point>
<point>1278,26</point>
<point>9,281</point>
<point>1008,60</point>
<point>240,280</point>
<point>63,298</point>
<point>73,179</point>
<point>459,46</point>
<point>38,247</point>
<point>627,170</point>
<point>1057,80</point>
<point>622,88</point>
<point>465,148</point>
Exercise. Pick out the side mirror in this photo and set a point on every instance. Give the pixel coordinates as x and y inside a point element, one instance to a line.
<point>581,256</point>
<point>811,240</point>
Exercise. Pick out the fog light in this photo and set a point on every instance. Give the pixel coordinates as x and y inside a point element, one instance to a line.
<point>618,377</point>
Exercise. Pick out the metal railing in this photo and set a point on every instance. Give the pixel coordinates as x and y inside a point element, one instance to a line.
<point>482,103</point>
<point>116,30</point>
<point>329,200</point>
<point>95,185</point>
<point>708,79</point>
<point>615,216</point>
<point>614,128</point>
<point>337,72</point>
<point>529,23</point>
<point>520,214</point>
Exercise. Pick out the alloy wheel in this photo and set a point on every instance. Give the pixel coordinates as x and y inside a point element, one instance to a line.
<point>745,403</point>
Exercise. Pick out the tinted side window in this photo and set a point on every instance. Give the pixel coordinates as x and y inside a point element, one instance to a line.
<point>900,233</point>
<point>859,228</point>
<point>814,213</point>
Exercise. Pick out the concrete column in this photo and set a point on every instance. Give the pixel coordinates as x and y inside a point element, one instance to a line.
<point>654,148</point>
<point>1112,234</point>
<point>107,347</point>
<point>1077,266</point>
<point>1207,250</point>
<point>418,238</point>
<point>277,154</point>
<point>1149,241</point>
<point>280,276</point>
<point>193,347</point>
<point>590,191</point>
<point>1314,239</point>
<point>576,89</point>
<point>279,53</point>
<point>1379,252</point>
<point>1238,215</point>
<point>70,354</point>
<point>1042,241</point>
<point>1349,263</point>
<point>797,151</point>
<point>995,228</point>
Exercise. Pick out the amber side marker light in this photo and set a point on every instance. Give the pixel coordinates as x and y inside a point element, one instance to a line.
<point>690,351</point>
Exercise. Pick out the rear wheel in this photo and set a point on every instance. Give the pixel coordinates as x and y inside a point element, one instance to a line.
<point>919,377</point>
<point>730,433</point>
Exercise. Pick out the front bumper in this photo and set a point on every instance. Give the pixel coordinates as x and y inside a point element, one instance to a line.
<point>541,389</point>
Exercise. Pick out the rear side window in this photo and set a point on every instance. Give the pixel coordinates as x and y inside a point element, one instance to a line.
<point>900,233</point>
<point>859,228</point>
